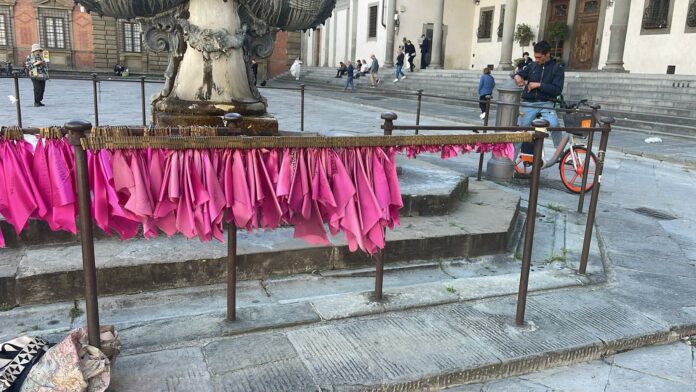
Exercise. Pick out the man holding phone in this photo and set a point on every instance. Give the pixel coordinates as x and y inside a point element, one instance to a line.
<point>38,72</point>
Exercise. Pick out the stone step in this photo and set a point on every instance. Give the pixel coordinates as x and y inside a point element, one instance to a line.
<point>481,224</point>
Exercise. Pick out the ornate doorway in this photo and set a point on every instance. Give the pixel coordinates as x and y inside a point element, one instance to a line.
<point>586,19</point>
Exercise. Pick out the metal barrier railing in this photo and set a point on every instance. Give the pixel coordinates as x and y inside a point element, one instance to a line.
<point>539,124</point>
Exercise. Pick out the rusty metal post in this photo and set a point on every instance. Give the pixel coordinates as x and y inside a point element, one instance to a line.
<point>302,93</point>
<point>231,271</point>
<point>586,164</point>
<point>77,129</point>
<point>606,128</point>
<point>15,75</point>
<point>379,274</point>
<point>388,126</point>
<point>233,121</point>
<point>540,135</point>
<point>485,124</point>
<point>96,104</point>
<point>142,96</point>
<point>418,109</point>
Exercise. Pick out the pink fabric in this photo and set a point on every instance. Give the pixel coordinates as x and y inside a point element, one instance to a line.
<point>192,192</point>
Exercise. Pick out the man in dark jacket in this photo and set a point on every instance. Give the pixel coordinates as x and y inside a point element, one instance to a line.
<point>424,49</point>
<point>543,82</point>
<point>410,50</point>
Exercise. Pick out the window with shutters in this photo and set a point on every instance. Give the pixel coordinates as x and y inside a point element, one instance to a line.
<point>131,37</point>
<point>372,22</point>
<point>485,28</point>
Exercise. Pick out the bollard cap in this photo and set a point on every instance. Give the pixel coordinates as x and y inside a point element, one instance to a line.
<point>607,119</point>
<point>77,126</point>
<point>389,116</point>
<point>540,123</point>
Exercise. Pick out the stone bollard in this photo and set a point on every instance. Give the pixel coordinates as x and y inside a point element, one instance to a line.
<point>506,116</point>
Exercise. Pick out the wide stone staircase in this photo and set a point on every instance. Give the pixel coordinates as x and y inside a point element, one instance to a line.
<point>653,104</point>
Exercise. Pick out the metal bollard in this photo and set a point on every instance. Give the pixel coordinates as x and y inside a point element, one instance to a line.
<point>485,124</point>
<point>418,109</point>
<point>540,135</point>
<point>96,104</point>
<point>388,126</point>
<point>77,129</point>
<point>142,96</point>
<point>15,75</point>
<point>302,93</point>
<point>231,271</point>
<point>586,165</point>
<point>606,128</point>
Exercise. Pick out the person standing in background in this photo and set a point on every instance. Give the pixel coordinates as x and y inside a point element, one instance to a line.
<point>374,71</point>
<point>424,49</point>
<point>38,72</point>
<point>399,65</point>
<point>296,68</point>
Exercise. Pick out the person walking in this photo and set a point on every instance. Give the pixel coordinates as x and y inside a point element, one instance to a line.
<point>374,71</point>
<point>296,68</point>
<point>399,65</point>
<point>424,49</point>
<point>411,54</point>
<point>255,70</point>
<point>350,72</point>
<point>486,84</point>
<point>38,72</point>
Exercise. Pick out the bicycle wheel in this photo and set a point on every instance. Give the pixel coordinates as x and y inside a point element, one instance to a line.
<point>572,166</point>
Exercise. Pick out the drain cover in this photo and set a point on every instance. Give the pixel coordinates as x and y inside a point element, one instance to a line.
<point>654,213</point>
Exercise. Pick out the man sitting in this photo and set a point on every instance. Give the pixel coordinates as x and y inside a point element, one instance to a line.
<point>118,69</point>
<point>341,70</point>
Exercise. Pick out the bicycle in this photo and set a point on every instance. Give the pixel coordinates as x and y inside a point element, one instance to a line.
<point>571,160</point>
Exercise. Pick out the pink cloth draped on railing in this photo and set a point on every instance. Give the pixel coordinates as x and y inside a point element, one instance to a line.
<point>194,192</point>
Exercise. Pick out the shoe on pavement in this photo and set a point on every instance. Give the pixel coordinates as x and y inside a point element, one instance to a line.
<point>403,77</point>
<point>379,80</point>
<point>482,116</point>
<point>396,80</point>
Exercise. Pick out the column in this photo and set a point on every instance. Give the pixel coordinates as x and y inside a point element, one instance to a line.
<point>508,34</point>
<point>390,53</point>
<point>346,54</point>
<point>436,49</point>
<point>354,30</point>
<point>326,31</point>
<point>617,40</point>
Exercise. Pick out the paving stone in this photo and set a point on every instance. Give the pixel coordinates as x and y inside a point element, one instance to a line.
<point>286,375</point>
<point>180,370</point>
<point>590,376</point>
<point>234,354</point>
<point>621,380</point>
<point>675,364</point>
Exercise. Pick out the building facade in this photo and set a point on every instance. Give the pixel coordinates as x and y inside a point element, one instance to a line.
<point>639,36</point>
<point>75,39</point>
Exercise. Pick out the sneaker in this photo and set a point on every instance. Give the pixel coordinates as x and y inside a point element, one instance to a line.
<point>379,80</point>
<point>482,116</point>
<point>396,80</point>
<point>403,77</point>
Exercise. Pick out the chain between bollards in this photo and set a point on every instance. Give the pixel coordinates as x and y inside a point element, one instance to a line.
<point>15,75</point>
<point>603,141</point>
<point>96,104</point>
<point>540,135</point>
<point>302,99</point>
<point>142,96</point>
<point>77,129</point>
<point>418,108</point>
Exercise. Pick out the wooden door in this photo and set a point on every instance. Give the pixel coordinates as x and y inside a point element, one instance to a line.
<point>585,33</point>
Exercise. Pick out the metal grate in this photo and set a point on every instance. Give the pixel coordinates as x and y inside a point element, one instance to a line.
<point>656,15</point>
<point>653,213</point>
<point>485,24</point>
<point>54,28</point>
<point>6,36</point>
<point>691,15</point>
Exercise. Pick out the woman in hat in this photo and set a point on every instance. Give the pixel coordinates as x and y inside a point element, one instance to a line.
<point>38,72</point>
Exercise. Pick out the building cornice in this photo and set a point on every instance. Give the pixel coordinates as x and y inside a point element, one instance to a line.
<point>62,4</point>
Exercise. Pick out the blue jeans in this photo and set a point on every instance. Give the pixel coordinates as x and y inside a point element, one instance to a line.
<point>528,114</point>
<point>349,82</point>
<point>399,71</point>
